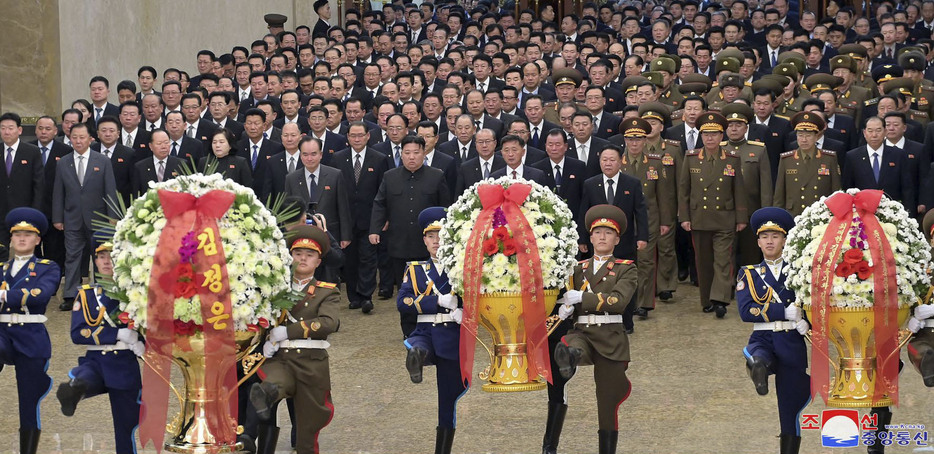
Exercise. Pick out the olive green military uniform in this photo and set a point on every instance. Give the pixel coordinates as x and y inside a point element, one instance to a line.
<point>303,373</point>
<point>851,101</point>
<point>757,177</point>
<point>789,107</point>
<point>712,198</point>
<point>671,156</point>
<point>561,77</point>
<point>607,289</point>
<point>805,177</point>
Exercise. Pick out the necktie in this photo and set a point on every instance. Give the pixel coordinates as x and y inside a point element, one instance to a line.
<point>291,164</point>
<point>243,95</point>
<point>875,166</point>
<point>174,148</point>
<point>691,140</point>
<point>583,152</point>
<point>482,87</point>
<point>774,58</point>
<point>45,154</point>
<point>357,166</point>
<point>9,160</point>
<point>107,152</point>
<point>160,172</point>
<point>463,153</point>
<point>558,176</point>
<point>312,187</point>
<point>81,170</point>
<point>486,170</point>
<point>535,136</point>
<point>152,126</point>
<point>129,140</point>
<point>398,155</point>
<point>888,52</point>
<point>515,176</point>
<point>97,114</point>
<point>265,136</point>
<point>255,156</point>
<point>610,194</point>
<point>191,131</point>
<point>478,125</point>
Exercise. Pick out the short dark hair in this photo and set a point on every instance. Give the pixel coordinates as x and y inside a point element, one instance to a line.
<point>14,117</point>
<point>254,111</point>
<point>100,79</point>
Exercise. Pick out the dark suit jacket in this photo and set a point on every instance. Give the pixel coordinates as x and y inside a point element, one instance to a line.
<point>452,148</point>
<point>140,143</point>
<point>495,125</point>
<point>77,205</point>
<point>846,130</point>
<point>593,159</point>
<point>469,173</point>
<point>145,171</point>
<point>546,127</point>
<point>573,175</point>
<point>301,122</point>
<point>331,198</point>
<point>608,127</point>
<point>628,197</point>
<point>235,128</point>
<point>122,161</point>
<point>528,172</point>
<point>448,165</point>
<point>895,178</point>
<point>204,133</point>
<point>332,144</point>
<point>918,163</point>
<point>276,170</point>
<point>25,185</point>
<point>401,197</point>
<point>57,150</point>
<point>533,155</point>
<point>190,151</point>
<point>267,149</point>
<point>775,142</point>
<point>234,168</point>
<point>109,109</point>
<point>362,192</point>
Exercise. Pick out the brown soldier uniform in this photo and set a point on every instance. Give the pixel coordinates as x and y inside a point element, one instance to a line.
<point>670,96</point>
<point>850,99</point>
<point>805,176</point>
<point>562,77</point>
<point>711,197</point>
<point>300,369</point>
<point>598,337</point>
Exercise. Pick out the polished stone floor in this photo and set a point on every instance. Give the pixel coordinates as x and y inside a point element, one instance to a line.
<point>690,395</point>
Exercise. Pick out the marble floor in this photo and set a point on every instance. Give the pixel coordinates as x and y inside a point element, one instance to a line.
<point>690,395</point>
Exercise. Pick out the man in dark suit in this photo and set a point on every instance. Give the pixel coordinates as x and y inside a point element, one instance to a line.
<point>256,149</point>
<point>539,127</point>
<point>322,189</point>
<point>84,182</point>
<point>404,192</point>
<point>186,149</point>
<point>196,127</point>
<point>765,95</point>
<point>160,167</point>
<point>281,164</point>
<point>259,91</point>
<point>480,167</point>
<point>323,10</point>
<point>121,157</point>
<point>513,149</point>
<point>22,178</point>
<point>218,108</point>
<point>332,143</point>
<point>480,118</point>
<point>362,169</point>
<point>291,105</point>
<point>563,174</point>
<point>482,71</point>
<point>877,166</point>
<point>100,91</point>
<point>53,242</point>
<point>131,134</point>
<point>918,161</point>
<point>429,131</point>
<point>462,148</point>
<point>585,146</point>
<point>520,127</point>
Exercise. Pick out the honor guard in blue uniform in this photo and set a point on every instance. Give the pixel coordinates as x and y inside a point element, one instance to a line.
<point>28,285</point>
<point>426,294</point>
<point>110,365</point>
<point>776,345</point>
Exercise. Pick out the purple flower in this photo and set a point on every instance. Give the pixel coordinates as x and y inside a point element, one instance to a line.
<point>189,247</point>
<point>499,218</point>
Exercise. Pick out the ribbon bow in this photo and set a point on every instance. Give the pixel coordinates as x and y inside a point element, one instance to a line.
<point>212,205</point>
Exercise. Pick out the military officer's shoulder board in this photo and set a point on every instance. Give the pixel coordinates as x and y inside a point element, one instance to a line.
<point>693,152</point>
<point>44,261</point>
<point>724,143</point>
<point>756,143</point>
<point>927,87</point>
<point>788,154</point>
<point>624,262</point>
<point>783,117</point>
<point>872,101</point>
<point>87,287</point>
<point>828,152</point>
<point>670,142</point>
<point>584,261</point>
<point>327,285</point>
<point>918,113</point>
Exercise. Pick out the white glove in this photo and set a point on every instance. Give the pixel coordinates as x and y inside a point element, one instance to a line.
<point>915,325</point>
<point>138,349</point>
<point>792,312</point>
<point>278,334</point>
<point>802,327</point>
<point>572,297</point>
<point>565,311</point>
<point>127,336</point>
<point>270,349</point>
<point>448,301</point>
<point>458,315</point>
<point>924,311</point>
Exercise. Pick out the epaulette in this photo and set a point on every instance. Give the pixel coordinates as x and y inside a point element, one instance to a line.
<point>783,117</point>
<point>624,262</point>
<point>672,142</point>
<point>714,84</point>
<point>747,83</point>
<point>87,287</point>
<point>918,112</point>
<point>416,262</point>
<point>724,143</point>
<point>756,143</point>
<point>676,115</point>
<point>927,87</point>
<point>870,102</point>
<point>788,153</point>
<point>327,285</point>
<point>583,261</point>
<point>694,152</point>
<point>828,152</point>
<point>44,261</point>
<point>749,267</point>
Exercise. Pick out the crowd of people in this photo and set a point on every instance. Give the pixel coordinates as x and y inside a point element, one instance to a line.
<point>687,116</point>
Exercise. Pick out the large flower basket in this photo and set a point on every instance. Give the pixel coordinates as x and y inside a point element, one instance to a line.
<point>856,261</point>
<point>509,248</point>
<point>201,268</point>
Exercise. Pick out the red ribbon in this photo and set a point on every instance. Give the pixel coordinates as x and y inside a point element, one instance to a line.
<point>530,278</point>
<point>186,213</point>
<point>885,291</point>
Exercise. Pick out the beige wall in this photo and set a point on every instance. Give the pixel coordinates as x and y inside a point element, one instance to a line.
<point>29,67</point>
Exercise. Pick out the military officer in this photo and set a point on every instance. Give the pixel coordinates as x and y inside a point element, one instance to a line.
<point>28,285</point>
<point>792,98</point>
<point>757,172</point>
<point>861,56</point>
<point>601,287</point>
<point>882,75</point>
<point>426,293</point>
<point>671,159</point>
<point>850,96</point>
<point>712,206</point>
<point>566,83</point>
<point>659,193</point>
<point>808,173</point>
<point>668,66</point>
<point>110,365</point>
<point>730,85</point>
<point>922,96</point>
<point>297,365</point>
<point>697,85</point>
<point>776,345</point>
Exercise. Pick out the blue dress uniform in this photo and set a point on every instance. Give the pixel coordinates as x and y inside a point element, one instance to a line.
<point>108,367</point>
<point>28,285</point>
<point>775,346</point>
<point>436,338</point>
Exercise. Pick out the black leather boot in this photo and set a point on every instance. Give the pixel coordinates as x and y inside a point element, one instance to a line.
<point>567,359</point>
<point>414,362</point>
<point>758,371</point>
<point>444,441</point>
<point>884,418</point>
<point>790,444</point>
<point>29,441</point>
<point>69,394</point>
<point>607,441</point>
<point>927,368</point>
<point>263,397</point>
<point>556,412</point>
<point>267,439</point>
